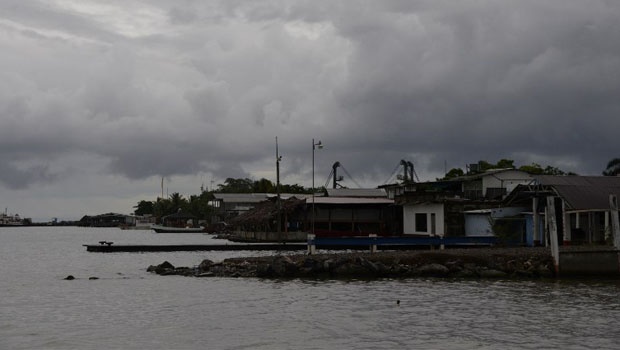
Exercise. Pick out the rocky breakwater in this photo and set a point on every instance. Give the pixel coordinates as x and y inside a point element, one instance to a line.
<point>457,263</point>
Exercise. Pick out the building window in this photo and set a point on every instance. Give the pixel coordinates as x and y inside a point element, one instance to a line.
<point>421,224</point>
<point>495,192</point>
<point>433,224</point>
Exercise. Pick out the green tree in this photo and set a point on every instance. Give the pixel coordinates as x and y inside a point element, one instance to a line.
<point>534,169</point>
<point>537,169</point>
<point>454,172</point>
<point>263,186</point>
<point>178,201</point>
<point>550,170</point>
<point>260,186</point>
<point>162,207</point>
<point>171,205</point>
<point>144,208</point>
<point>294,189</point>
<point>236,186</point>
<point>505,164</point>
<point>199,205</point>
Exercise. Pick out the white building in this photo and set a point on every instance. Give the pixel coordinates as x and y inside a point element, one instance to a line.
<point>437,208</point>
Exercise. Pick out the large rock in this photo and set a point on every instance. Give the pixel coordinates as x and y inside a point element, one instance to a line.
<point>205,265</point>
<point>351,269</point>
<point>283,266</point>
<point>161,269</point>
<point>435,270</point>
<point>280,266</point>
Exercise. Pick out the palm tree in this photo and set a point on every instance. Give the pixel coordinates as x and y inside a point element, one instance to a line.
<point>613,168</point>
<point>178,201</point>
<point>144,207</point>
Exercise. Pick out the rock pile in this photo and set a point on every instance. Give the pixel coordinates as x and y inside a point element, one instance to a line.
<point>461,263</point>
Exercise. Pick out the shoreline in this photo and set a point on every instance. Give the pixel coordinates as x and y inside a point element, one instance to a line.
<point>491,262</point>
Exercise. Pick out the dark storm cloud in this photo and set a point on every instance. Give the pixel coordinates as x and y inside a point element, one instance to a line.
<point>163,89</point>
<point>491,80</point>
<point>19,177</point>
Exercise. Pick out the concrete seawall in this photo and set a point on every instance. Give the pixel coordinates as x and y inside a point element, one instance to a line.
<point>589,262</point>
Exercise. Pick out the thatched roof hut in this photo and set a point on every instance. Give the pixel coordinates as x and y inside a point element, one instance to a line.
<point>267,211</point>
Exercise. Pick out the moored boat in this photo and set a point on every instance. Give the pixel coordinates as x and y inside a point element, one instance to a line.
<point>172,229</point>
<point>178,222</point>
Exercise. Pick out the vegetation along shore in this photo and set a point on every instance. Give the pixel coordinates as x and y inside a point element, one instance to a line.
<point>452,263</point>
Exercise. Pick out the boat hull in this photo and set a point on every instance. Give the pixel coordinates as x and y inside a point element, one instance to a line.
<point>168,229</point>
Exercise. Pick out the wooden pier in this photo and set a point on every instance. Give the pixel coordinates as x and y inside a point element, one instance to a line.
<point>111,248</point>
<point>371,243</point>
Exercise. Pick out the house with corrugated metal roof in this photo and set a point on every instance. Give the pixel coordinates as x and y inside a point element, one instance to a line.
<point>356,192</point>
<point>351,212</point>
<point>582,204</point>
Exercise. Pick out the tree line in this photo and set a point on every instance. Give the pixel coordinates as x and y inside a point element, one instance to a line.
<point>483,165</point>
<point>200,205</point>
<point>612,169</point>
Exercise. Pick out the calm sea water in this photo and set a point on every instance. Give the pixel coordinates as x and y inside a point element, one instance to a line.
<point>128,308</point>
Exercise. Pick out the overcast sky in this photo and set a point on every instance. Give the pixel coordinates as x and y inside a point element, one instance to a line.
<point>101,99</point>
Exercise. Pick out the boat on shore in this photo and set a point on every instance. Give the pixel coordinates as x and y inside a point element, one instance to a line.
<point>178,222</point>
<point>172,229</point>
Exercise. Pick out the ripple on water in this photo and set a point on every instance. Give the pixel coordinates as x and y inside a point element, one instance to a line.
<point>130,309</point>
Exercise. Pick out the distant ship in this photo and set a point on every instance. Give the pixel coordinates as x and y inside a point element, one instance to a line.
<point>7,220</point>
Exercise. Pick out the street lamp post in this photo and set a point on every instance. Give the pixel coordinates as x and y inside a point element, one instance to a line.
<point>278,204</point>
<point>314,146</point>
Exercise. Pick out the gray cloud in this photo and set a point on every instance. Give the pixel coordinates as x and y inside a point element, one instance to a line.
<point>153,88</point>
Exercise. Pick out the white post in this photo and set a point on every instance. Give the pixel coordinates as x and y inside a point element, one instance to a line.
<point>608,228</point>
<point>311,246</point>
<point>535,222</point>
<point>615,221</point>
<point>566,225</point>
<point>373,247</point>
<point>577,220</point>
<point>545,235</point>
<point>553,233</point>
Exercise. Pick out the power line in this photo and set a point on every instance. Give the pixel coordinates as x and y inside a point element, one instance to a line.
<point>349,175</point>
<point>393,173</point>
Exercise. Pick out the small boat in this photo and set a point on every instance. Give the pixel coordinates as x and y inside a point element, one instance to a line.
<point>172,229</point>
<point>178,222</point>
